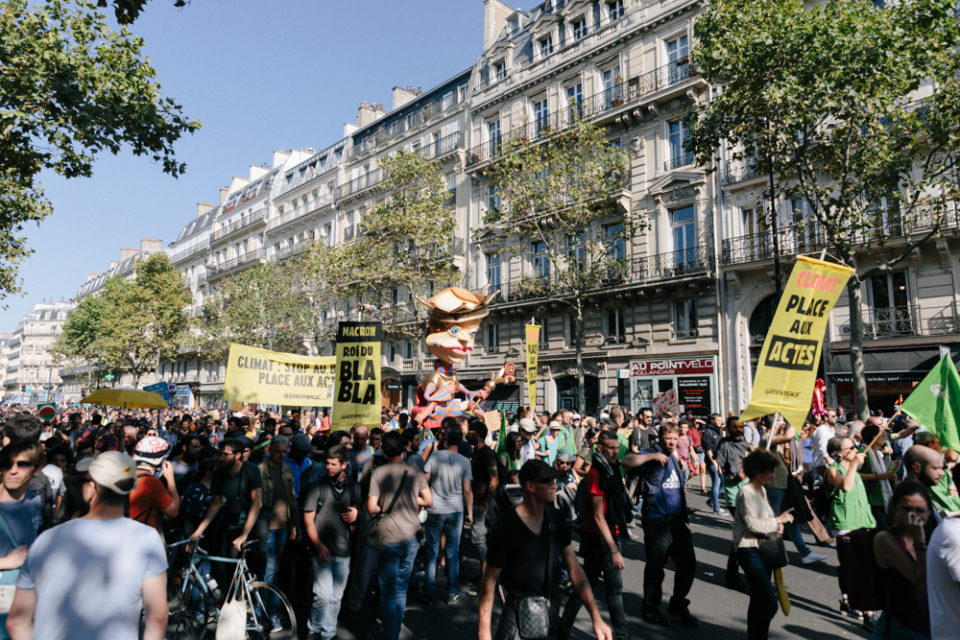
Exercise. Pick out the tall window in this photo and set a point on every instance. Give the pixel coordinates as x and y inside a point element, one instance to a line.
<point>890,312</point>
<point>678,59</point>
<point>579,28</point>
<point>678,137</point>
<point>615,329</point>
<point>545,46</point>
<point>613,92</point>
<point>616,250</point>
<point>492,341</point>
<point>576,250</point>
<point>499,70</point>
<point>615,10</point>
<point>493,197</point>
<point>493,270</point>
<point>493,135</point>
<point>540,115</point>
<point>575,101</point>
<point>684,319</point>
<point>684,235</point>
<point>758,243</point>
<point>805,230</point>
<point>541,263</point>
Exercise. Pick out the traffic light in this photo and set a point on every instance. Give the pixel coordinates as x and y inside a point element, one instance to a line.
<point>23,387</point>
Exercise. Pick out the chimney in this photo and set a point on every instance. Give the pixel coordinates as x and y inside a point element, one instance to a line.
<point>257,172</point>
<point>368,113</point>
<point>203,207</point>
<point>126,252</point>
<point>279,157</point>
<point>402,96</point>
<point>224,191</point>
<point>150,245</point>
<point>113,264</point>
<point>92,275</point>
<point>349,128</point>
<point>495,15</point>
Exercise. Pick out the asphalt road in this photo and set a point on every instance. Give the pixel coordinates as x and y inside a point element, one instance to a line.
<point>722,612</point>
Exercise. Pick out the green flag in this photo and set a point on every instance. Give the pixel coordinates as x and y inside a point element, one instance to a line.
<point>935,403</point>
<point>502,436</point>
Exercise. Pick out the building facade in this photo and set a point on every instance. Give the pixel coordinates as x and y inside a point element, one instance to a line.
<point>32,371</point>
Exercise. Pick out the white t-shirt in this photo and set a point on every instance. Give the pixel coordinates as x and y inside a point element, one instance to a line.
<point>820,438</point>
<point>943,580</point>
<point>87,575</point>
<point>55,474</point>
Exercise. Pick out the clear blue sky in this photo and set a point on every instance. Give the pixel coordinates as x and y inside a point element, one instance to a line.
<point>260,75</point>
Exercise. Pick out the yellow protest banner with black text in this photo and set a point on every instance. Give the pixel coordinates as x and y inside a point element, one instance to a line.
<point>533,352</point>
<point>357,388</point>
<point>787,369</point>
<point>271,377</point>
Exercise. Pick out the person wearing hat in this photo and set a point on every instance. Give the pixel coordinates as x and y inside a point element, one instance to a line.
<point>528,429</point>
<point>521,550</point>
<point>113,561</point>
<point>153,496</point>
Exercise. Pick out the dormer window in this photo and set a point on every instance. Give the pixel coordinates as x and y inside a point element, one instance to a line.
<point>579,28</point>
<point>499,69</point>
<point>545,46</point>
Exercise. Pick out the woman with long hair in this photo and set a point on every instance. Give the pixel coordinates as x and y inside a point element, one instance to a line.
<point>900,551</point>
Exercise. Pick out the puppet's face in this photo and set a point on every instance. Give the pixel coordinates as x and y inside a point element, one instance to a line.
<point>454,342</point>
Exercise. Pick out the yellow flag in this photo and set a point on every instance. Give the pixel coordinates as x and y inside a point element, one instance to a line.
<point>787,369</point>
<point>533,351</point>
<point>357,391</point>
<point>271,377</point>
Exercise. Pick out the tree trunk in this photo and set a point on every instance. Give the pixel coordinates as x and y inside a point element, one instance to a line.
<point>581,385</point>
<point>856,350</point>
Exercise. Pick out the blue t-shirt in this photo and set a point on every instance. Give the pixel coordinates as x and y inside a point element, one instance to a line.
<point>663,492</point>
<point>23,519</point>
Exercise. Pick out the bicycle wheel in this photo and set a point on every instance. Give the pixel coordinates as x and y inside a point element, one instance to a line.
<point>269,614</point>
<point>190,613</point>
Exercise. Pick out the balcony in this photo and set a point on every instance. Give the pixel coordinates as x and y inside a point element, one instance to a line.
<point>677,161</point>
<point>891,322</point>
<point>684,334</point>
<point>350,232</point>
<point>236,226</point>
<point>300,212</point>
<point>442,147</point>
<point>673,264</point>
<point>759,246</point>
<point>234,264</point>
<point>739,171</point>
<point>360,184</point>
<point>607,101</point>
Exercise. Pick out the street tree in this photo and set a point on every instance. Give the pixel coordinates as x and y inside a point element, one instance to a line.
<point>851,107</point>
<point>144,320</point>
<point>70,88</point>
<point>78,343</point>
<point>261,307</point>
<point>406,248</point>
<point>558,210</point>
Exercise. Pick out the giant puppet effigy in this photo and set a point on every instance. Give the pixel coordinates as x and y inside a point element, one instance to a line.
<point>454,317</point>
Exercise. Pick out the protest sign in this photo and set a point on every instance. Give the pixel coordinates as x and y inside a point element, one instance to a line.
<point>357,386</point>
<point>532,332</point>
<point>666,401</point>
<point>46,411</point>
<point>161,389</point>
<point>788,363</point>
<point>271,377</point>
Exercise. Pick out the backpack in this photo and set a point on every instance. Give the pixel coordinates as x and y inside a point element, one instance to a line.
<point>581,507</point>
<point>858,574</point>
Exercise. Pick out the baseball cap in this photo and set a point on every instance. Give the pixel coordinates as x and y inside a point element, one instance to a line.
<point>301,442</point>
<point>151,450</point>
<point>110,468</point>
<point>528,425</point>
<point>537,471</point>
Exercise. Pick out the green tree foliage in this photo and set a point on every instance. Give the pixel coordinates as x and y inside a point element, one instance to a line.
<point>406,248</point>
<point>127,11</point>
<point>560,195</point>
<point>130,326</point>
<point>849,105</point>
<point>70,88</point>
<point>261,307</point>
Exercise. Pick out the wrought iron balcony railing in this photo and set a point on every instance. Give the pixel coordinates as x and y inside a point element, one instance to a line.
<point>236,225</point>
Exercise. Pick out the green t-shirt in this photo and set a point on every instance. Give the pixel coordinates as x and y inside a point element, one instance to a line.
<point>849,510</point>
<point>940,494</point>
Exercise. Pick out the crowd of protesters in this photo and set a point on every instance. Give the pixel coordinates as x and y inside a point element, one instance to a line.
<point>336,517</point>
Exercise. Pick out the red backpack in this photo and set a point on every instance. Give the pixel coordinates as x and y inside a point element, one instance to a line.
<point>858,573</point>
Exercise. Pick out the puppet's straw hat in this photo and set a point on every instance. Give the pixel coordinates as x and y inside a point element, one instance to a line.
<point>455,305</point>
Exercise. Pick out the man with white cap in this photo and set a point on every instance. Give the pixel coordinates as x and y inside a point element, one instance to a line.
<point>116,565</point>
<point>153,496</point>
<point>528,429</point>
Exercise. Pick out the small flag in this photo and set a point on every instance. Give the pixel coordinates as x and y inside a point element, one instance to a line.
<point>935,403</point>
<point>46,411</point>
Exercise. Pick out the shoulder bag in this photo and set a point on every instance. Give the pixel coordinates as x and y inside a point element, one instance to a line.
<point>533,612</point>
<point>773,553</point>
<point>375,533</point>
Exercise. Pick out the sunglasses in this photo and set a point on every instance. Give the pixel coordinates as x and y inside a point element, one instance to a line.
<point>20,464</point>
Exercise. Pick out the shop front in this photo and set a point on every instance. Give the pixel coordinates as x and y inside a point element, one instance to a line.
<point>688,384</point>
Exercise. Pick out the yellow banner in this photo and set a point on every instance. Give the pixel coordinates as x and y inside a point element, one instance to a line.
<point>357,391</point>
<point>533,351</point>
<point>270,377</point>
<point>787,369</point>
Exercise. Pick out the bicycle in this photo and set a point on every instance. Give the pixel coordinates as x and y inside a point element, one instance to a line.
<point>194,605</point>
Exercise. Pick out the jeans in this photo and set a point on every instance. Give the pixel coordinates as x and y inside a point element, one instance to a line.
<point>395,564</point>
<point>436,525</point>
<point>596,561</point>
<point>276,540</point>
<point>715,484</point>
<point>329,582</point>
<point>763,599</point>
<point>897,630</point>
<point>665,538</point>
<point>478,530</point>
<point>792,529</point>
<point>364,564</point>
